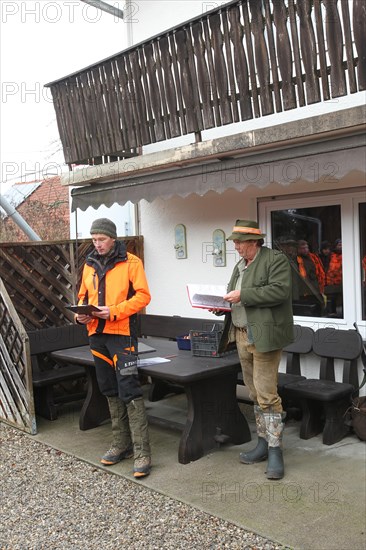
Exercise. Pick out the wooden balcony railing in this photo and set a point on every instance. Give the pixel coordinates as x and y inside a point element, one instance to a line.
<point>248,59</point>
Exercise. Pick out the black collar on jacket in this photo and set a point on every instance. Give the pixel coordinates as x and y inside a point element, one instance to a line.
<point>118,254</point>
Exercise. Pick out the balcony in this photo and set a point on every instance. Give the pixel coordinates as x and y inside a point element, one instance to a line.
<point>247,59</point>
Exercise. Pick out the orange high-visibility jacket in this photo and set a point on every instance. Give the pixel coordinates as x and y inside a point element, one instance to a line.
<point>334,273</point>
<point>120,284</point>
<point>319,270</point>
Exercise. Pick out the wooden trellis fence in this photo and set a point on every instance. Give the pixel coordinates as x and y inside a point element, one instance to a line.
<point>16,391</point>
<point>247,59</point>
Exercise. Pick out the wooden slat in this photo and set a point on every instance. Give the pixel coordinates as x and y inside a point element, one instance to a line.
<point>220,69</point>
<point>321,49</point>
<point>335,48</point>
<point>252,67</point>
<point>186,80</point>
<point>359,26</point>
<point>169,87</point>
<point>85,141</point>
<point>296,54</point>
<point>106,90</point>
<point>173,47</point>
<point>163,98</point>
<point>241,65</point>
<point>261,58</point>
<point>65,136</point>
<point>232,92</point>
<point>211,68</point>
<point>308,51</point>
<point>193,80</point>
<point>127,120</point>
<point>77,118</point>
<point>100,110</point>
<point>272,56</point>
<point>284,54</point>
<point>203,76</point>
<point>112,108</point>
<point>135,79</point>
<point>88,101</point>
<point>348,46</point>
<point>153,93</point>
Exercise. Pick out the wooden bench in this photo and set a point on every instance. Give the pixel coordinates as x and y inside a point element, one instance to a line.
<point>325,401</point>
<point>170,327</point>
<point>302,344</point>
<point>46,373</point>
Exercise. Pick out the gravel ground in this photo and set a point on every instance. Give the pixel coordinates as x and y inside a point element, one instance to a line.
<point>52,500</point>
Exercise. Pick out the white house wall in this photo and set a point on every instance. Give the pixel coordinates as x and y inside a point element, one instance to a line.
<point>201,216</point>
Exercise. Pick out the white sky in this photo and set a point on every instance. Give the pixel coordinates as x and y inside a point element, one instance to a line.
<point>42,41</point>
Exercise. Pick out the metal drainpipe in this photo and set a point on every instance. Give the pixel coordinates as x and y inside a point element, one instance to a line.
<point>128,20</point>
<point>18,219</point>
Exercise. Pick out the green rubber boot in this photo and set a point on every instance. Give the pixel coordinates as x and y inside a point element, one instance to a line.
<point>275,425</point>
<point>260,452</point>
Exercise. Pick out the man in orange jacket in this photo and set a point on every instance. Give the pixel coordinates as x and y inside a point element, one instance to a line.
<point>312,275</point>
<point>114,280</point>
<point>334,280</point>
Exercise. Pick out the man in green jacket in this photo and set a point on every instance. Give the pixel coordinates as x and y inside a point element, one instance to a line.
<point>261,323</point>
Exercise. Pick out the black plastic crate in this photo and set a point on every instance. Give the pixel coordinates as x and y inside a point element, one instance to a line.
<point>206,344</point>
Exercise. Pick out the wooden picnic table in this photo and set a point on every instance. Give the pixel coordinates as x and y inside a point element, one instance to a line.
<point>213,415</point>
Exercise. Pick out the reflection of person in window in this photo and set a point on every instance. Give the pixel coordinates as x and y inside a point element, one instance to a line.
<point>334,278</point>
<point>288,245</point>
<point>334,273</point>
<point>324,254</point>
<point>313,278</point>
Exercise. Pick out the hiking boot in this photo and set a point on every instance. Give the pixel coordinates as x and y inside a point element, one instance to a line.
<point>142,466</point>
<point>115,455</point>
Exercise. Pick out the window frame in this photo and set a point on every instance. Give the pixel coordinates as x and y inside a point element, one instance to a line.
<point>350,232</point>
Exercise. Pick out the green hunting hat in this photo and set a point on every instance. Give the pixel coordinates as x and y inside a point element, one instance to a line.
<point>246,230</point>
<point>104,226</point>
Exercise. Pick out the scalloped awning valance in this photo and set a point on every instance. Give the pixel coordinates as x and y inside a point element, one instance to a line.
<point>325,161</point>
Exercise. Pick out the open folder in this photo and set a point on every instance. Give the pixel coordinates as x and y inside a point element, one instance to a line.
<point>208,296</point>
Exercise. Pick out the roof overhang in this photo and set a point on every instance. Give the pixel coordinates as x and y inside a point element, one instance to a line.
<point>328,146</point>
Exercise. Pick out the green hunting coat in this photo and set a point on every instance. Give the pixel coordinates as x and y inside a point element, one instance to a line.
<point>266,294</point>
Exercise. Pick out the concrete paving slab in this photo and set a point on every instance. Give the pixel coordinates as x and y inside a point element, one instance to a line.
<point>319,505</point>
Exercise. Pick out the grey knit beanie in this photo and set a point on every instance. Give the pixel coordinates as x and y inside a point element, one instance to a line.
<point>104,226</point>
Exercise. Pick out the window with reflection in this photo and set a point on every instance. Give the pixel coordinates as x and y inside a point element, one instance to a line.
<point>311,239</point>
<point>362,218</point>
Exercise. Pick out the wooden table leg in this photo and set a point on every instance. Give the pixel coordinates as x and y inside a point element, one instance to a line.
<point>213,417</point>
<point>95,407</point>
